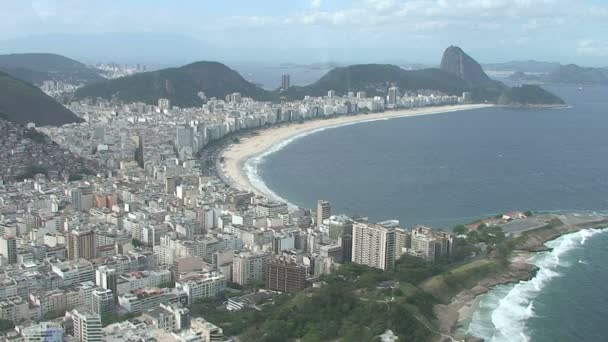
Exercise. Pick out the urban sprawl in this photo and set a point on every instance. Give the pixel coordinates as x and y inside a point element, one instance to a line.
<point>156,229</point>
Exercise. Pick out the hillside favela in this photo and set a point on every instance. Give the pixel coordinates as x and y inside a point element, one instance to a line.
<point>284,172</point>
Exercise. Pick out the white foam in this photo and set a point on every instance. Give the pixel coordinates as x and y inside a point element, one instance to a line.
<point>507,322</point>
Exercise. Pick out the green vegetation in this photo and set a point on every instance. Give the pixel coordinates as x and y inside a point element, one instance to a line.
<point>375,79</point>
<point>6,325</point>
<point>180,85</point>
<point>351,306</point>
<point>528,95</point>
<point>448,284</point>
<point>167,285</point>
<point>31,171</point>
<point>34,135</point>
<point>108,319</point>
<point>23,103</point>
<point>39,67</point>
<point>137,243</point>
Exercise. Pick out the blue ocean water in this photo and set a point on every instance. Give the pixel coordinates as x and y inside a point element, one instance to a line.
<point>448,169</point>
<point>566,301</point>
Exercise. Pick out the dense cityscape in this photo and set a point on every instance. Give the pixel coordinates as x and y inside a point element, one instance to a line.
<point>153,229</point>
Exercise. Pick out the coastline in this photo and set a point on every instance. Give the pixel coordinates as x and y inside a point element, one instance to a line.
<point>233,158</point>
<point>461,307</point>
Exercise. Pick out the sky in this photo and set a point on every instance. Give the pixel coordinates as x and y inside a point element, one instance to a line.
<point>306,31</point>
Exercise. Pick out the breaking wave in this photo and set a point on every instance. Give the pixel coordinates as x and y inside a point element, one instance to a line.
<point>503,312</point>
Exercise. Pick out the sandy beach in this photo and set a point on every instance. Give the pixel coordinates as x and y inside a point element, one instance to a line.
<point>235,155</point>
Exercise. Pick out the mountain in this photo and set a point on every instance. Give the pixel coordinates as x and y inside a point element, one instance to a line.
<point>22,102</point>
<point>566,74</point>
<point>375,79</point>
<point>457,62</point>
<point>528,95</point>
<point>574,74</point>
<point>180,85</point>
<point>529,66</point>
<point>38,67</point>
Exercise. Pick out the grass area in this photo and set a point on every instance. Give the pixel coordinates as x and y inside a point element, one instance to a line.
<point>449,283</point>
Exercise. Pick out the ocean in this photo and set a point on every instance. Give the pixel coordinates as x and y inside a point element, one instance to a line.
<point>448,169</point>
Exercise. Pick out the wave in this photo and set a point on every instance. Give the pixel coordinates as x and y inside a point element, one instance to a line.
<point>252,165</point>
<point>504,311</point>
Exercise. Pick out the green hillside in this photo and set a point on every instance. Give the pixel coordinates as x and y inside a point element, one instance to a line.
<point>375,79</point>
<point>22,102</point>
<point>529,95</point>
<point>180,85</point>
<point>38,67</point>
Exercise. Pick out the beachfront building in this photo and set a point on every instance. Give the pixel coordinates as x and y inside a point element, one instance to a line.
<point>429,244</point>
<point>373,245</point>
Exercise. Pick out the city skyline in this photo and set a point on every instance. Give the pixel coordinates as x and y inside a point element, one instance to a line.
<point>310,31</point>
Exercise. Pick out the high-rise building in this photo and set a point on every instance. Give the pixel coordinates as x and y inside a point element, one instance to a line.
<point>164,104</point>
<point>87,326</point>
<point>403,241</point>
<point>102,302</point>
<point>139,151</point>
<point>429,244</point>
<point>210,332</point>
<point>82,198</point>
<point>249,267</point>
<point>285,274</point>
<point>393,93</point>
<point>184,137</point>
<point>323,211</point>
<point>285,82</point>
<point>8,249</point>
<point>373,245</point>
<point>361,95</point>
<point>106,278</point>
<point>81,245</point>
<point>331,94</point>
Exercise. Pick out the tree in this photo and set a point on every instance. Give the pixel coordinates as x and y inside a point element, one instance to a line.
<point>460,229</point>
<point>6,325</point>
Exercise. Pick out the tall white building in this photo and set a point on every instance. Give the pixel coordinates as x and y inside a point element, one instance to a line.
<point>87,326</point>
<point>373,245</point>
<point>393,93</point>
<point>429,244</point>
<point>323,211</point>
<point>248,267</point>
<point>206,285</point>
<point>8,249</point>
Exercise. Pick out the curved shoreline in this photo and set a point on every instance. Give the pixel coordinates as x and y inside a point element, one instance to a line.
<point>460,308</point>
<point>235,156</point>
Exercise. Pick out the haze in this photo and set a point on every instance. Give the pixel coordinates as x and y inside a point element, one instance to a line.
<point>169,32</point>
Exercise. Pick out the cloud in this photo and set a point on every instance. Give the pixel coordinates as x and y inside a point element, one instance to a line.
<point>315,4</point>
<point>592,48</point>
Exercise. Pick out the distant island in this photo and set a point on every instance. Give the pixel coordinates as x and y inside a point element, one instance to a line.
<point>565,74</point>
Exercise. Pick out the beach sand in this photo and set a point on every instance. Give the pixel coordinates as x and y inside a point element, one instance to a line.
<point>235,155</point>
